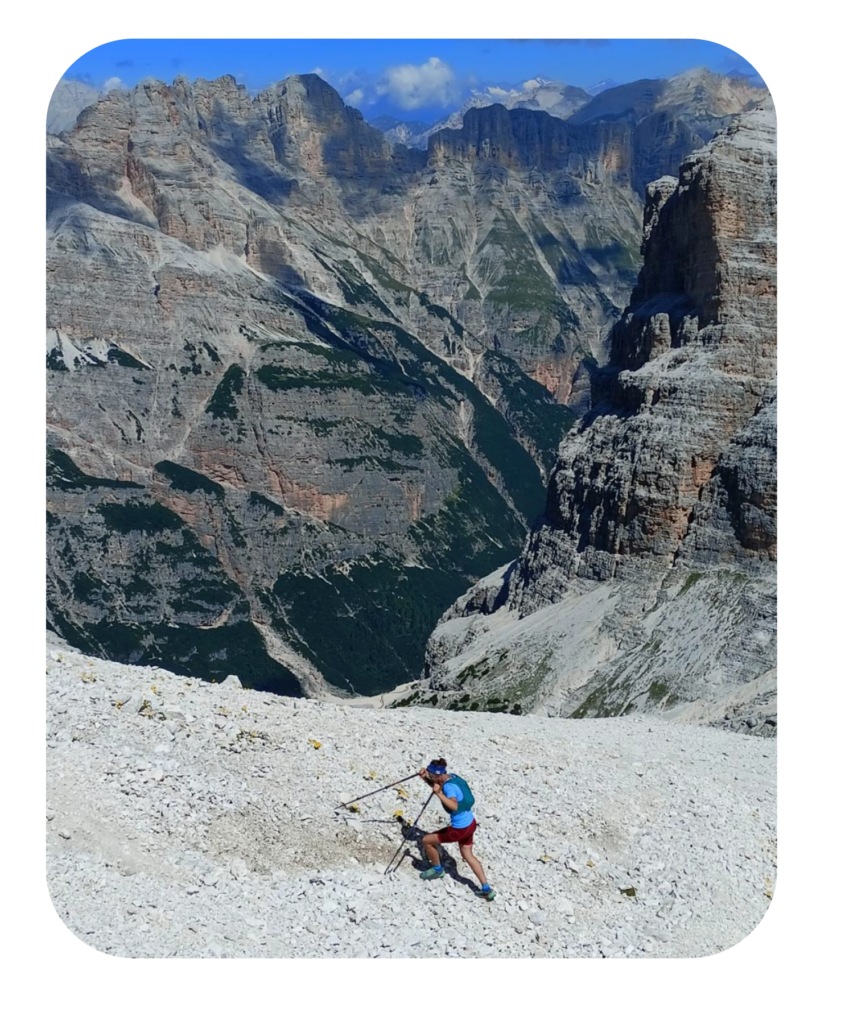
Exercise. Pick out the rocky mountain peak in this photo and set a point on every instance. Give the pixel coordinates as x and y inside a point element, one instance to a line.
<point>318,363</point>
<point>553,97</point>
<point>700,332</point>
<point>655,556</point>
<point>523,138</point>
<point>311,127</point>
<point>699,93</point>
<point>671,116</point>
<point>707,92</point>
<point>304,97</point>
<point>702,248</point>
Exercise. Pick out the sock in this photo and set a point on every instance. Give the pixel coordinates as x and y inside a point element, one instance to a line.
<point>438,868</point>
<point>486,887</point>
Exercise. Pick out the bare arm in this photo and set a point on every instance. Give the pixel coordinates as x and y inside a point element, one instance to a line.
<point>449,802</point>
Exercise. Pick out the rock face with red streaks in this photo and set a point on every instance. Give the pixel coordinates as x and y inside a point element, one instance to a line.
<point>337,362</point>
<point>661,510</point>
<point>693,362</point>
<point>258,436</point>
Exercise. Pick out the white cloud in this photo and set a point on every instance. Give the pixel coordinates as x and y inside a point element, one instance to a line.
<point>355,98</point>
<point>498,93</point>
<point>411,86</point>
<point>113,83</point>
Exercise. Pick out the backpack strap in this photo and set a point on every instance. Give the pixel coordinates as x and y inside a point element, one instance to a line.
<point>467,800</point>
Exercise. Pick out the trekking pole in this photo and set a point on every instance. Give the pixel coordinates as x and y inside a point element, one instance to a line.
<point>374,791</point>
<point>408,833</point>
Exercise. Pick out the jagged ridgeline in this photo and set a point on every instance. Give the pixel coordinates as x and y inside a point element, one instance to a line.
<point>650,582</point>
<point>342,503</point>
<point>307,386</point>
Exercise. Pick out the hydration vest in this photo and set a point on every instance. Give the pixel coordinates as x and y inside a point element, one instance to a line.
<point>467,800</point>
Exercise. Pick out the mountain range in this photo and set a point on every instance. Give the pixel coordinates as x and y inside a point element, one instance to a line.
<point>650,581</point>
<point>306,384</point>
<point>555,98</point>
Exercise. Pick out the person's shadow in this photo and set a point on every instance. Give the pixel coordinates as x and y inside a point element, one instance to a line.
<point>414,835</point>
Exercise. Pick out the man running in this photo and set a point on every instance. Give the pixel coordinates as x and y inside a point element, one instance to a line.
<point>455,796</point>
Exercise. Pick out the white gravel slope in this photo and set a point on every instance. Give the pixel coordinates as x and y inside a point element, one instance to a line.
<point>204,825</point>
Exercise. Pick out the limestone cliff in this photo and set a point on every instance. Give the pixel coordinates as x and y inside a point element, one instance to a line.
<point>555,98</point>
<point>265,451</point>
<point>671,117</point>
<point>335,361</point>
<point>650,581</point>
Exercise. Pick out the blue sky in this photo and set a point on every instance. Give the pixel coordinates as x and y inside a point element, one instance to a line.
<point>408,78</point>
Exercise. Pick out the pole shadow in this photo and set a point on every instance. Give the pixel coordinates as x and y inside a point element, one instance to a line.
<point>448,862</point>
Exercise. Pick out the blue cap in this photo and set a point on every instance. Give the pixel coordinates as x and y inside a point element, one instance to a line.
<point>436,769</point>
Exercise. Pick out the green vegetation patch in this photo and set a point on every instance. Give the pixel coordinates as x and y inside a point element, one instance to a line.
<point>614,253</point>
<point>123,358</point>
<point>441,313</point>
<point>211,654</point>
<point>64,475</point>
<point>364,628</point>
<point>371,462</point>
<point>474,531</point>
<point>284,378</point>
<point>135,516</point>
<point>188,480</point>
<point>384,278</point>
<point>356,289</point>
<point>533,413</point>
<point>403,444</point>
<point>55,360</point>
<point>507,258</point>
<point>222,404</point>
<point>258,500</point>
<point>690,580</point>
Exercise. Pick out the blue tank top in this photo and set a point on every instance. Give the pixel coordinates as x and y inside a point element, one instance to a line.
<point>458,819</point>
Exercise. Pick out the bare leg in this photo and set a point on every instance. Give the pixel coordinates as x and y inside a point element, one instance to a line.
<point>474,865</point>
<point>430,848</point>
